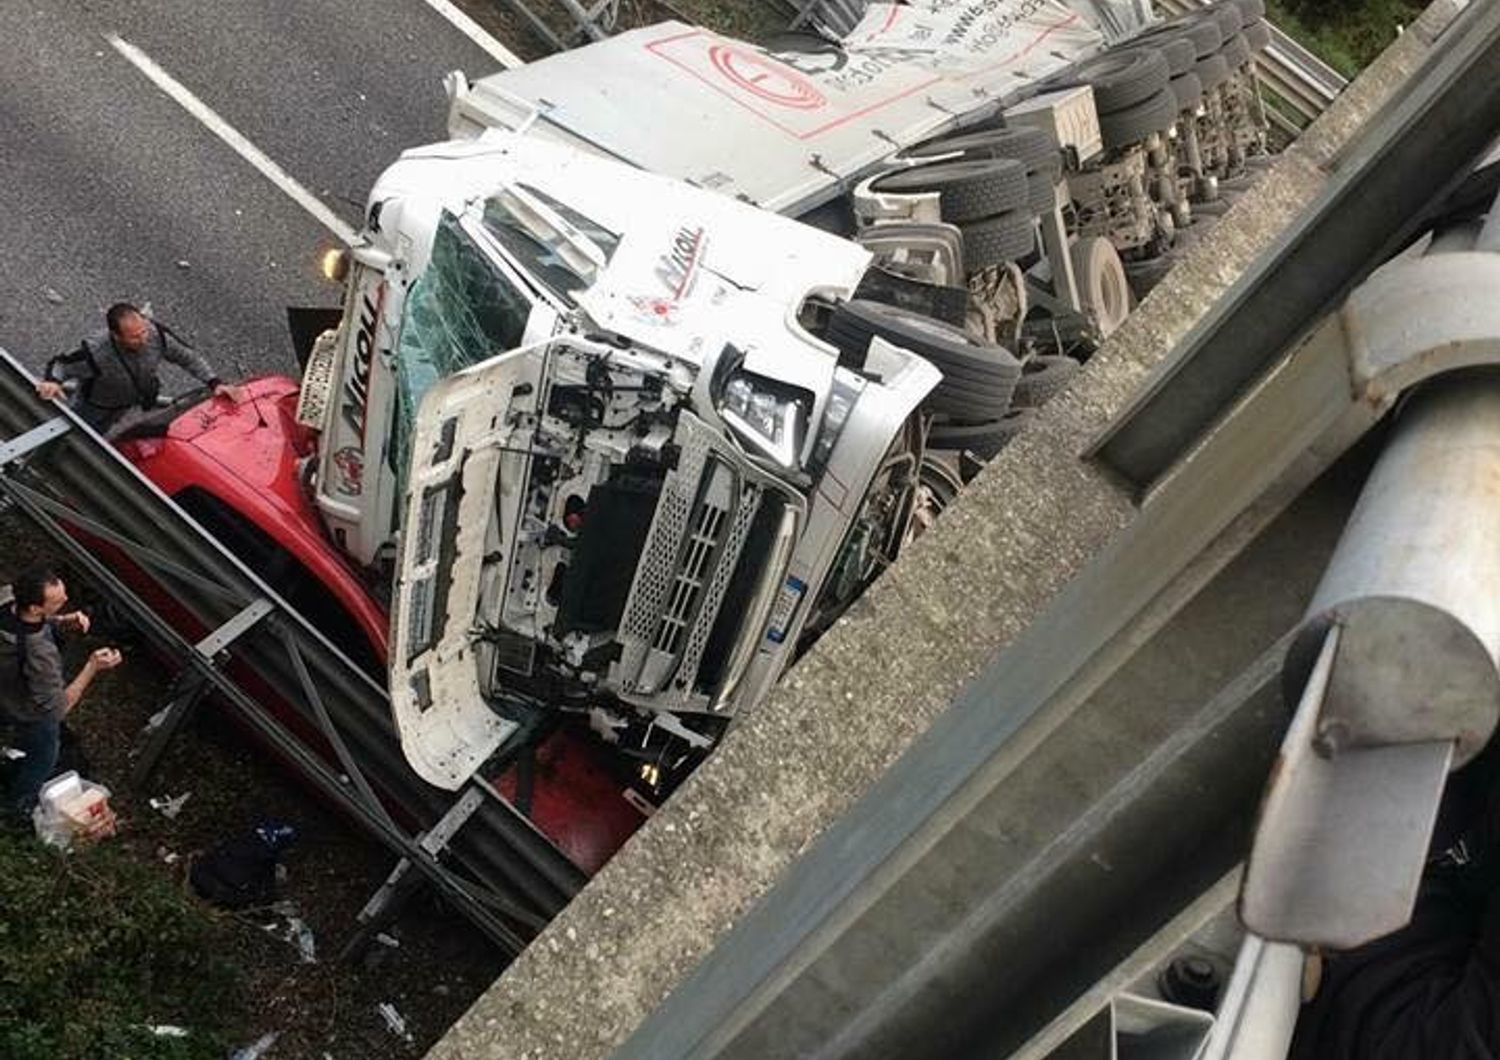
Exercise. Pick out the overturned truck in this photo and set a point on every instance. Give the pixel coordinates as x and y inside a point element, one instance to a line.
<point>643,377</point>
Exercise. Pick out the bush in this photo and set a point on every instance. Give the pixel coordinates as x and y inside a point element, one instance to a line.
<point>94,946</point>
<point>1344,33</point>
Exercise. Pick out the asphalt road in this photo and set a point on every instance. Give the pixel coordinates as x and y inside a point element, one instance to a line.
<point>111,191</point>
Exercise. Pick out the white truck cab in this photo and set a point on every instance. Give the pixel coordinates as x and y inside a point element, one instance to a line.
<point>614,470</point>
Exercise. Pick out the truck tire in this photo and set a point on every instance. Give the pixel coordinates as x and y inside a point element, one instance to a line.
<point>1103,288</point>
<point>1040,194</point>
<point>1258,36</point>
<point>978,379</point>
<point>1179,52</point>
<point>1132,125</point>
<point>1231,21</point>
<point>967,190</point>
<point>1212,72</point>
<point>1005,237</point>
<point>948,304</point>
<point>983,439</point>
<point>1203,32</point>
<point>1251,11</point>
<point>1122,79</point>
<point>1236,51</point>
<point>1043,378</point>
<point>1188,91</point>
<point>1145,275</point>
<point>1033,148</point>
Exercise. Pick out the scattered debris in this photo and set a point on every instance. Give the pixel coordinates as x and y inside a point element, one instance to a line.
<point>166,1030</point>
<point>393,1021</point>
<point>168,857</point>
<point>52,295</point>
<point>388,940</point>
<point>10,754</point>
<point>169,806</point>
<point>155,721</point>
<point>256,1049</point>
<point>306,944</point>
<point>181,264</point>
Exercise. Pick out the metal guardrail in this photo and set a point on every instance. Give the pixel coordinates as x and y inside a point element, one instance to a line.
<point>1302,83</point>
<point>477,850</point>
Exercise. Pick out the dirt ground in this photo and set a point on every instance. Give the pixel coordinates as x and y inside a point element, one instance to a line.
<point>323,1009</point>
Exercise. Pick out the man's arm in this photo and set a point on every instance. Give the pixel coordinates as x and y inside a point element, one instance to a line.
<point>76,364</point>
<point>186,358</point>
<point>99,659</point>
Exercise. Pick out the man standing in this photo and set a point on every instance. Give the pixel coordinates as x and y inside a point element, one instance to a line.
<point>116,369</point>
<point>37,698</point>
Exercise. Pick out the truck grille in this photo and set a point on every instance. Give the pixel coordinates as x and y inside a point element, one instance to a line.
<point>704,514</point>
<point>692,574</point>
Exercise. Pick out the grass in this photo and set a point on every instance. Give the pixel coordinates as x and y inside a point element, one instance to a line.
<point>1346,35</point>
<point>96,948</point>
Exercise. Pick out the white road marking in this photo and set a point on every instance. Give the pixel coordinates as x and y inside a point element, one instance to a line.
<point>231,136</point>
<point>476,33</point>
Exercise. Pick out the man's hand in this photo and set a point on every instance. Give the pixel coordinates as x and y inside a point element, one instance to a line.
<point>105,658</point>
<point>74,621</point>
<point>233,392</point>
<point>48,390</point>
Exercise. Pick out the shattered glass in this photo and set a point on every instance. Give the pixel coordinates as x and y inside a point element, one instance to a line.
<point>460,311</point>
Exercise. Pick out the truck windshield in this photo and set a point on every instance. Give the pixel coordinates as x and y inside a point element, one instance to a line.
<point>547,255</point>
<point>462,310</point>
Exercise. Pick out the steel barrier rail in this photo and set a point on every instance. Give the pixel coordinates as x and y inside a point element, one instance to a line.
<point>1299,78</point>
<point>499,871</point>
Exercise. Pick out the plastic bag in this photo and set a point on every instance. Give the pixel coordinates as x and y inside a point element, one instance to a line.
<point>72,810</point>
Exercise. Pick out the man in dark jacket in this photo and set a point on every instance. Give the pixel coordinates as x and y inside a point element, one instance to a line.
<point>116,369</point>
<point>37,696</point>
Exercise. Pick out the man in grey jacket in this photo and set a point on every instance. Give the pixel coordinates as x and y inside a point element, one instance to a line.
<point>116,369</point>
<point>37,695</point>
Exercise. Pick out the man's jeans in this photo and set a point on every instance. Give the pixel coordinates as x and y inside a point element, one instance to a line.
<point>39,741</point>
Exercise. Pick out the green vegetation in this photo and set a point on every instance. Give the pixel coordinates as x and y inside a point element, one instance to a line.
<point>1346,34</point>
<point>95,947</point>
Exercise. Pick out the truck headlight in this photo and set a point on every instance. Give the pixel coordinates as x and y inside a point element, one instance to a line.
<point>765,416</point>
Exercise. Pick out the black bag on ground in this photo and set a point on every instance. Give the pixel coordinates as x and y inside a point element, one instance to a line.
<point>241,872</point>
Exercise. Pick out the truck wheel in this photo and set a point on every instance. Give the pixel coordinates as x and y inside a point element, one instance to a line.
<point>1258,36</point>
<point>1103,287</point>
<point>1212,71</point>
<point>1040,193</point>
<point>1236,51</point>
<point>938,486</point>
<point>1122,79</point>
<point>1187,90</point>
<point>1145,275</point>
<point>1007,237</point>
<point>978,378</point>
<point>1231,20</point>
<point>1043,378</point>
<point>967,190</point>
<point>1179,52</point>
<point>1132,125</point>
<point>1203,32</point>
<point>984,439</point>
